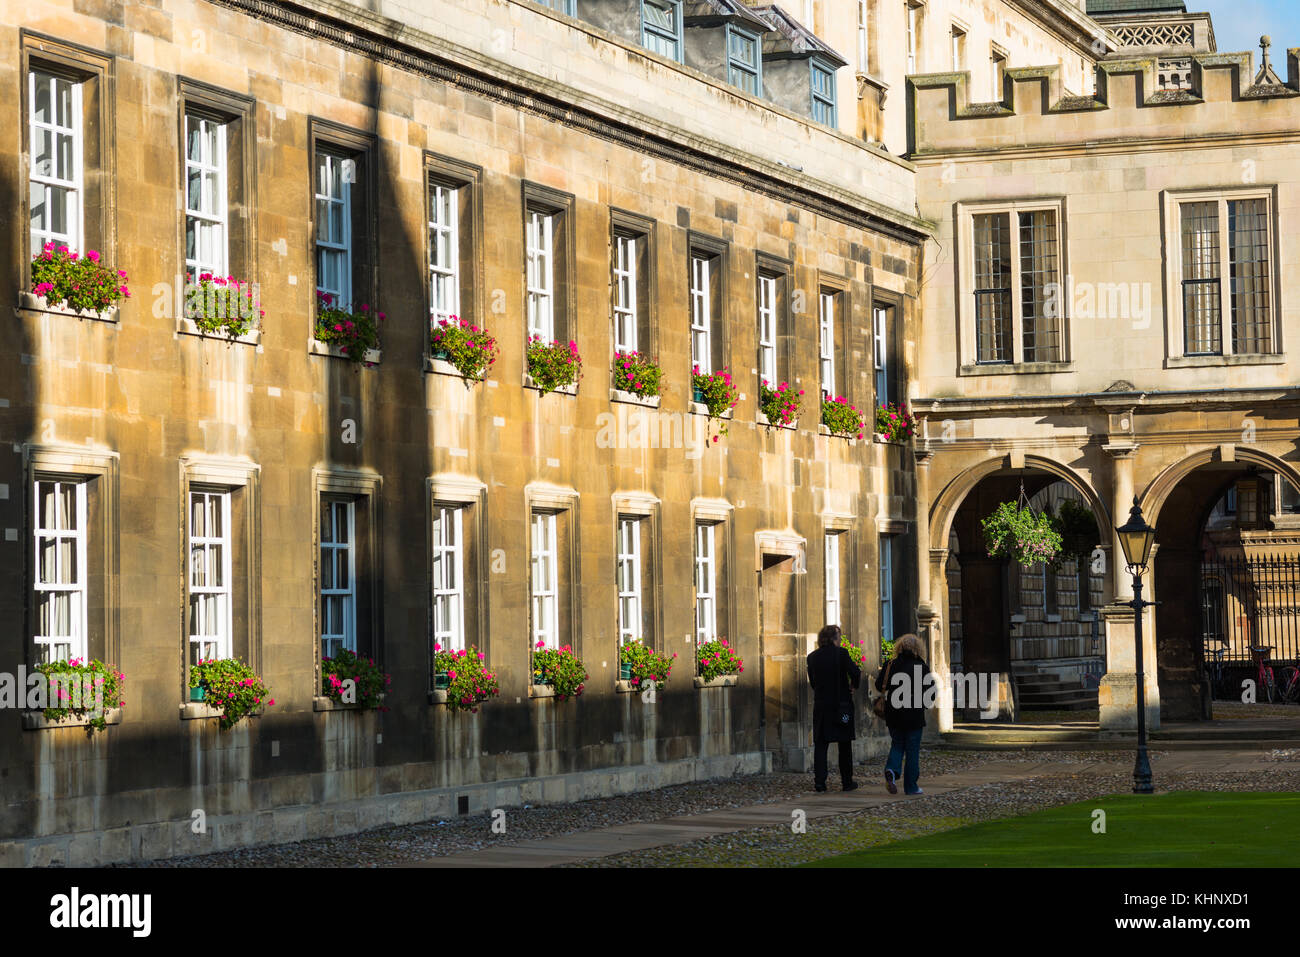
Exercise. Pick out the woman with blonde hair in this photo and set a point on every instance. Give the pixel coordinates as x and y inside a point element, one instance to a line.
<point>903,681</point>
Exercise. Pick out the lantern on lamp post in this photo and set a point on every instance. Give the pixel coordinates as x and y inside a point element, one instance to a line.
<point>1136,538</point>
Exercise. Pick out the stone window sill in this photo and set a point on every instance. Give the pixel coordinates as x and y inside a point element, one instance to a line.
<point>1200,362</point>
<point>30,302</point>
<point>443,367</point>
<point>631,398</point>
<point>881,440</point>
<point>626,687</point>
<point>1012,368</point>
<point>186,327</point>
<point>541,691</point>
<point>317,348</point>
<point>763,420</point>
<point>722,681</point>
<point>194,710</point>
<point>699,408</point>
<point>324,703</point>
<point>823,430</point>
<point>36,720</point>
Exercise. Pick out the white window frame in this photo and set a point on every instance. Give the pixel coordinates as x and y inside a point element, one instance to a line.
<point>958,35</point>
<point>216,218</point>
<point>880,348</point>
<point>1176,325</point>
<point>826,342</point>
<point>832,570</point>
<point>337,553</point>
<point>545,598</point>
<point>339,171</point>
<point>77,642</point>
<point>541,274</point>
<point>220,640</point>
<point>912,13</point>
<point>997,72</point>
<point>864,38</point>
<point>701,313</point>
<point>448,575</point>
<point>966,213</point>
<point>628,583</point>
<point>73,189</point>
<point>444,277</point>
<point>625,299</point>
<point>767,319</point>
<point>706,582</point>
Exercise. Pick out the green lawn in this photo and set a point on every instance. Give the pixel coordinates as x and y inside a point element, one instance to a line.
<point>1181,829</point>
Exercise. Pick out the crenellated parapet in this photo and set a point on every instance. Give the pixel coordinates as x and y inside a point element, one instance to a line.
<point>1227,97</point>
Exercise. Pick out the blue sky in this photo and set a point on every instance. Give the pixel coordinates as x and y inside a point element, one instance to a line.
<point>1238,25</point>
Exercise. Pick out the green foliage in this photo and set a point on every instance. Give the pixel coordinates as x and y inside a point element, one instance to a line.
<point>371,682</point>
<point>553,365</point>
<point>560,668</point>
<point>858,652</point>
<point>221,304</point>
<point>83,688</point>
<point>1077,526</point>
<point>470,682</point>
<point>647,664</point>
<point>467,347</point>
<point>352,332</point>
<point>716,658</point>
<point>232,686</point>
<point>886,648</point>
<point>895,423</point>
<point>65,278</point>
<point>1017,533</point>
<point>636,373</point>
<point>780,405</point>
<point>842,419</point>
<point>717,392</point>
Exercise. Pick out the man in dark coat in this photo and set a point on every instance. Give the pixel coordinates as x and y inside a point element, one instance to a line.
<point>833,677</point>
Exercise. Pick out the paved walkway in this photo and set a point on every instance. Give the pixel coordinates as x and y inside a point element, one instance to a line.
<point>602,842</point>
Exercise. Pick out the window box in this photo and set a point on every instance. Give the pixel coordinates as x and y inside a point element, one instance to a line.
<point>36,720</point>
<point>722,681</point>
<point>198,693</point>
<point>441,682</point>
<point>571,389</point>
<point>541,691</point>
<point>317,348</point>
<point>30,302</point>
<point>631,398</point>
<point>763,420</point>
<point>699,408</point>
<point>195,710</point>
<point>186,327</point>
<point>324,703</point>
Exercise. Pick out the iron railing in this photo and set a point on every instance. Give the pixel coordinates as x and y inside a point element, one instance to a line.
<point>1251,601</point>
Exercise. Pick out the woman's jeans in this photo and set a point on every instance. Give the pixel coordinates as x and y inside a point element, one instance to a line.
<point>905,743</point>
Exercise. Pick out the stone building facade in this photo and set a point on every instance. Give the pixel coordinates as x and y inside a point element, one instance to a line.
<point>529,140</point>
<point>1108,305</point>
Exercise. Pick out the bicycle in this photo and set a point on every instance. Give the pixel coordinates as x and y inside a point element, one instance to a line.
<point>1214,669</point>
<point>1264,680</point>
<point>1289,691</point>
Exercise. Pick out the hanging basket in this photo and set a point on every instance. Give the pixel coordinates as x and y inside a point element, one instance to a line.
<point>1017,532</point>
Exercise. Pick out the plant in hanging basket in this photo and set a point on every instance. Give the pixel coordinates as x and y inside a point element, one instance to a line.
<point>716,658</point>
<point>780,405</point>
<point>553,365</point>
<point>468,682</point>
<point>231,686</point>
<point>637,374</point>
<point>369,682</point>
<point>561,669</point>
<point>467,347</point>
<point>641,664</point>
<point>1077,527</point>
<point>354,333</point>
<point>1017,533</point>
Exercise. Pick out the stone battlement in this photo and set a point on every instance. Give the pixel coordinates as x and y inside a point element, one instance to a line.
<point>1037,112</point>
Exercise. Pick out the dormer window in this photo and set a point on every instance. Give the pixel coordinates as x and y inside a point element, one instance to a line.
<point>744,65</point>
<point>661,27</point>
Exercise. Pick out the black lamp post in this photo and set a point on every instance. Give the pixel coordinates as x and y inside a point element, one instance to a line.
<point>1136,538</point>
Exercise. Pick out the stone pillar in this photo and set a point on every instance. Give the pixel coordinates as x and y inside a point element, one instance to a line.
<point>929,620</point>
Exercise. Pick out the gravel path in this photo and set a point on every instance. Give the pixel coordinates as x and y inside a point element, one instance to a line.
<point>417,842</point>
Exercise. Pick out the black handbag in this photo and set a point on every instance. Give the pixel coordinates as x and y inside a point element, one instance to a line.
<point>844,714</point>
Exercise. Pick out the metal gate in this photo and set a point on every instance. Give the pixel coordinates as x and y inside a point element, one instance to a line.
<point>1251,600</point>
